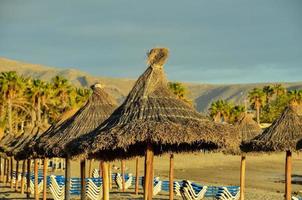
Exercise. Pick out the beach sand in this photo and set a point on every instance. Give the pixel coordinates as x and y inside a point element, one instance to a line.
<point>264,173</point>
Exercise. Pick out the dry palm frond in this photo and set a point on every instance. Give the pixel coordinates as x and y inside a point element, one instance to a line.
<point>98,107</point>
<point>282,135</point>
<point>152,114</point>
<point>248,127</point>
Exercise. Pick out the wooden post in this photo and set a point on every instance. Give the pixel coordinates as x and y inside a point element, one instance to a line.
<point>8,170</point>
<point>45,165</point>
<point>17,175</point>
<point>83,179</point>
<point>28,178</point>
<point>67,179</point>
<point>1,174</point>
<point>101,169</point>
<point>288,174</point>
<point>148,173</point>
<point>171,178</point>
<point>123,175</point>
<point>105,181</point>
<point>89,168</point>
<point>11,172</point>
<point>151,184</point>
<point>36,179</point>
<point>23,176</point>
<point>242,177</point>
<point>4,170</point>
<point>136,177</point>
<point>110,176</point>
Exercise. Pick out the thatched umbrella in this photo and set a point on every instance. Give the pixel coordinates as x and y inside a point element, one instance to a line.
<point>4,145</point>
<point>22,152</point>
<point>249,129</point>
<point>281,136</point>
<point>152,120</point>
<point>52,143</point>
<point>28,152</point>
<point>5,140</point>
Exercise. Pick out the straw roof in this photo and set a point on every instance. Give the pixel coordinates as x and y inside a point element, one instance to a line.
<point>282,135</point>
<point>25,149</point>
<point>152,114</point>
<point>98,107</point>
<point>5,142</point>
<point>248,127</point>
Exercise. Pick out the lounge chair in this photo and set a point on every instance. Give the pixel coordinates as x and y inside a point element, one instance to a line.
<point>176,188</point>
<point>57,191</point>
<point>95,173</point>
<point>192,192</point>
<point>93,191</point>
<point>157,186</point>
<point>224,194</point>
<point>119,181</point>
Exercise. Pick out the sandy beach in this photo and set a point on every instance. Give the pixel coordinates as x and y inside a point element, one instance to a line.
<point>264,174</point>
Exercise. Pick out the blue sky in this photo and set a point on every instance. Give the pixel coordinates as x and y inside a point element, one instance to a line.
<point>212,41</point>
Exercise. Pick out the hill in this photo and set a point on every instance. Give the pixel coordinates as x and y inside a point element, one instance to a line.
<point>202,94</point>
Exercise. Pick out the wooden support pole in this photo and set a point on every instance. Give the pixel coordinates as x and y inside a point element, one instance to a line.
<point>67,179</point>
<point>83,179</point>
<point>11,172</point>
<point>89,168</point>
<point>28,178</point>
<point>17,175</point>
<point>110,176</point>
<point>242,177</point>
<point>123,175</point>
<point>136,177</point>
<point>171,178</point>
<point>151,184</point>
<point>101,169</point>
<point>1,166</point>
<point>36,165</point>
<point>288,174</point>
<point>148,173</point>
<point>8,170</point>
<point>23,176</point>
<point>45,165</point>
<point>4,171</point>
<point>105,181</point>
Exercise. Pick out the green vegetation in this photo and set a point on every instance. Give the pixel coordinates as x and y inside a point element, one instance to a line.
<point>29,102</point>
<point>267,102</point>
<point>180,91</point>
<point>221,110</point>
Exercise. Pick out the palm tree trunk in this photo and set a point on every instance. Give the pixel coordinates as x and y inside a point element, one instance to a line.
<point>258,113</point>
<point>39,110</point>
<point>10,122</point>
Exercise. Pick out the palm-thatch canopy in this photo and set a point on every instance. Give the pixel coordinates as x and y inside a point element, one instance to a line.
<point>281,136</point>
<point>248,127</point>
<point>152,114</point>
<point>98,107</point>
<point>5,142</point>
<point>25,148</point>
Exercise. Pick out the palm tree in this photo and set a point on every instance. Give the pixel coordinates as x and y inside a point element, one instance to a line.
<point>279,90</point>
<point>82,95</point>
<point>180,91</point>
<point>236,112</point>
<point>269,92</point>
<point>257,97</point>
<point>295,96</point>
<point>11,86</point>
<point>37,91</point>
<point>62,89</point>
<point>220,109</point>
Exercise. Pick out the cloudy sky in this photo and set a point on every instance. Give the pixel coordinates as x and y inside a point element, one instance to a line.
<point>212,41</point>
